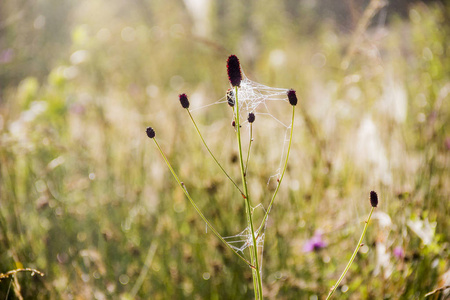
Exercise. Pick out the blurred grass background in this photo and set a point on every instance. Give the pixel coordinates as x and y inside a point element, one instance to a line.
<point>86,198</point>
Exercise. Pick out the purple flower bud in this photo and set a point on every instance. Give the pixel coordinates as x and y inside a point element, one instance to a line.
<point>251,117</point>
<point>373,199</point>
<point>184,100</point>
<point>292,97</point>
<point>234,70</point>
<point>150,132</point>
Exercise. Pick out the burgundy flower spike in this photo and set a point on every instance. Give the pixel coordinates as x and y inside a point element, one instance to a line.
<point>373,199</point>
<point>184,101</point>
<point>150,132</point>
<point>234,70</point>
<point>292,96</point>
<point>251,117</point>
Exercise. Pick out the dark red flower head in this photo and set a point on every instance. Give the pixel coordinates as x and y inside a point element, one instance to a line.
<point>251,117</point>
<point>292,97</point>
<point>150,132</point>
<point>373,199</point>
<point>234,70</point>
<point>184,101</point>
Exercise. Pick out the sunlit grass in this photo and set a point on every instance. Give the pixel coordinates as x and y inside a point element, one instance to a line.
<point>83,200</point>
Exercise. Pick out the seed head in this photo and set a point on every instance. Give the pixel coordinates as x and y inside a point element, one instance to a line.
<point>251,117</point>
<point>373,199</point>
<point>292,97</point>
<point>184,100</point>
<point>150,132</point>
<point>234,70</point>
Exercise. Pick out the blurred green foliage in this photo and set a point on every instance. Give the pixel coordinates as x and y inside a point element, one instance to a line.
<point>86,198</point>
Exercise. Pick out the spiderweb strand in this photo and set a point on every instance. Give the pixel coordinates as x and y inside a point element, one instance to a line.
<point>253,94</point>
<point>243,239</point>
<point>253,97</point>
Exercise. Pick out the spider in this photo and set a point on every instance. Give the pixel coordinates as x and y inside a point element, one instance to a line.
<point>230,97</point>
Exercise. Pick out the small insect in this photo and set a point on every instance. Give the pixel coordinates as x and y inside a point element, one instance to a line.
<point>233,124</point>
<point>230,97</point>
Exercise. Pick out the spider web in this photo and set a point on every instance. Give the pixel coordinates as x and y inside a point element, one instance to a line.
<point>255,97</point>
<point>244,239</point>
<point>264,102</point>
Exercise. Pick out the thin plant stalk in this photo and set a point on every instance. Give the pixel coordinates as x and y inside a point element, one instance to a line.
<point>249,147</point>
<point>12,273</point>
<point>358,246</point>
<point>254,276</point>
<point>372,9</point>
<point>259,292</point>
<point>144,270</point>
<point>212,155</point>
<point>196,207</point>
<point>255,286</point>
<point>284,169</point>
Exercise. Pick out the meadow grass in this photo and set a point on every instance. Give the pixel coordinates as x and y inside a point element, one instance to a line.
<point>85,200</point>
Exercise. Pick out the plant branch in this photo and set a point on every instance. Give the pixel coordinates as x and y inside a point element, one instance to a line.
<point>358,246</point>
<point>14,272</point>
<point>196,207</point>
<point>249,147</point>
<point>437,290</point>
<point>284,170</point>
<point>259,293</point>
<point>212,155</point>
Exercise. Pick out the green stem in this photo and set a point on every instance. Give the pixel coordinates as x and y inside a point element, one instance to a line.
<point>212,155</point>
<point>353,256</point>
<point>284,170</point>
<point>259,292</point>
<point>196,207</point>
<point>249,147</point>
<point>144,270</point>
<point>255,282</point>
